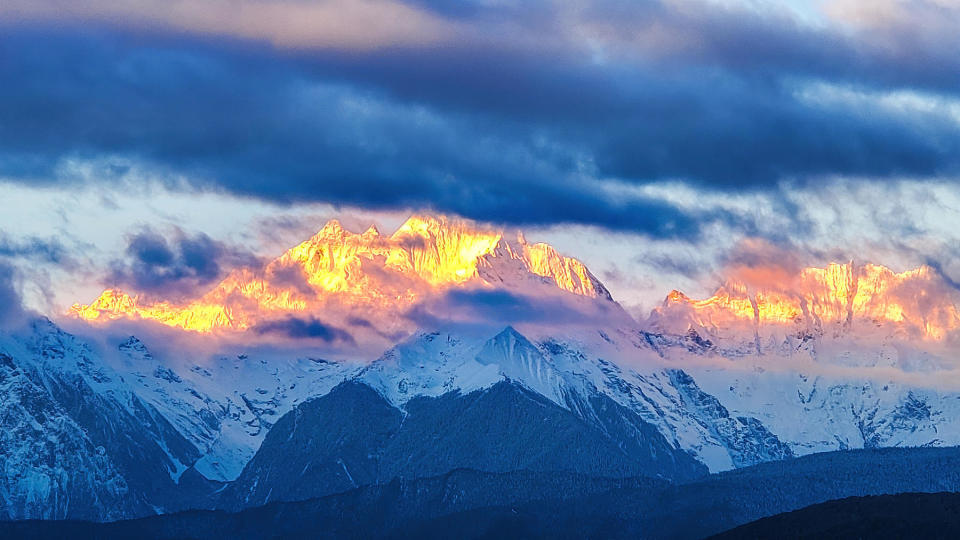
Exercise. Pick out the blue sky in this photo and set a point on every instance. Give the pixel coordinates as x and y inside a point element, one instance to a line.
<point>650,138</point>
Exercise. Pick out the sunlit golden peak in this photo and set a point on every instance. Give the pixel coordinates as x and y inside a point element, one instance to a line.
<point>333,228</point>
<point>421,224</point>
<point>424,255</point>
<point>675,296</point>
<point>440,225</point>
<point>916,301</point>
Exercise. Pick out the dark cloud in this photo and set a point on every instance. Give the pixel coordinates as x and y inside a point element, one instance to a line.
<point>151,249</point>
<point>292,277</point>
<point>35,249</point>
<point>304,328</point>
<point>938,268</point>
<point>760,253</point>
<point>497,305</point>
<point>683,262</point>
<point>536,128</point>
<point>11,307</point>
<point>506,307</point>
<point>179,264</point>
<point>359,322</point>
<point>289,129</point>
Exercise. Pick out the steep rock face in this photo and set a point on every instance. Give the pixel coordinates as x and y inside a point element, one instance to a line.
<point>77,444</point>
<point>327,445</point>
<point>850,315</point>
<point>641,398</point>
<point>822,357</point>
<point>425,255</point>
<point>437,402</point>
<point>82,444</point>
<point>191,412</point>
<point>146,447</point>
<point>748,441</point>
<point>519,360</point>
<point>690,418</point>
<point>505,427</point>
<point>50,467</point>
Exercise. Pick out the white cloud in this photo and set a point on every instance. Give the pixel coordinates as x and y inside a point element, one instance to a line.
<point>902,102</point>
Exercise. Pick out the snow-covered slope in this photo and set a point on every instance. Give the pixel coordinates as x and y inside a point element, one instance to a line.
<point>721,405</point>
<point>816,413</point>
<point>564,371</point>
<point>78,442</point>
<point>91,436</point>
<point>50,467</point>
<point>845,356</point>
<point>225,405</point>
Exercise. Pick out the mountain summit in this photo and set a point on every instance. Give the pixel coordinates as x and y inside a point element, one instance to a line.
<point>426,255</point>
<point>834,300</point>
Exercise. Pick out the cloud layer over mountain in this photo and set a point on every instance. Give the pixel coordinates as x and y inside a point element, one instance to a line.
<point>532,113</point>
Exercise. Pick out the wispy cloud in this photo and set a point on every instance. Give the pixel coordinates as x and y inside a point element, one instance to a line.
<point>49,250</point>
<point>11,307</point>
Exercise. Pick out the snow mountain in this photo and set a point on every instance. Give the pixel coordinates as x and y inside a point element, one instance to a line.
<point>553,375</point>
<point>367,274</point>
<point>224,406</point>
<point>840,300</point>
<point>78,443</point>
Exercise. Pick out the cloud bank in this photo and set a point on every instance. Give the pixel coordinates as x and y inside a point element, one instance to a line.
<point>531,114</point>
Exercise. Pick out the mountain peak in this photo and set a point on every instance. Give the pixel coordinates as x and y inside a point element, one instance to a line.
<point>332,228</point>
<point>509,333</point>
<point>426,225</point>
<point>917,302</point>
<point>426,254</point>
